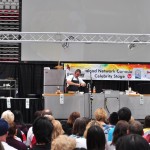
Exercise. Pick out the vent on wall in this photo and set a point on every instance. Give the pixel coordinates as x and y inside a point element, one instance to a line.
<point>10,21</point>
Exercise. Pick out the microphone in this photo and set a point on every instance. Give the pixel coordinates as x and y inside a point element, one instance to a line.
<point>91,78</point>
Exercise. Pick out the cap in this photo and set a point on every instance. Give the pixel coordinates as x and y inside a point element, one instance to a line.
<point>3,127</point>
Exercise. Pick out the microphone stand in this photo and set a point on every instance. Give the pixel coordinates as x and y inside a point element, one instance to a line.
<point>91,96</point>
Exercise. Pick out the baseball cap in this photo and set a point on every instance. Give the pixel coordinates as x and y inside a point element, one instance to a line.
<point>3,127</point>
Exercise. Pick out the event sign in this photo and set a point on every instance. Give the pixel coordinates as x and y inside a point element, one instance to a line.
<point>110,71</point>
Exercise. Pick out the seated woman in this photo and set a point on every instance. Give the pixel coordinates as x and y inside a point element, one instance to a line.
<point>95,138</point>
<point>132,142</point>
<point>12,140</point>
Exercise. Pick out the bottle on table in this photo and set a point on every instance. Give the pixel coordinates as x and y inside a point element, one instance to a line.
<point>94,89</point>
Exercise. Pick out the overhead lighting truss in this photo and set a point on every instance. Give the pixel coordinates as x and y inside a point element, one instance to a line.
<point>70,37</point>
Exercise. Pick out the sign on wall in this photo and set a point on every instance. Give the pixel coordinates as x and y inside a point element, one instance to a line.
<point>110,71</point>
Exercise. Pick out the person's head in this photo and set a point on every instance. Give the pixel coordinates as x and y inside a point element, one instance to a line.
<point>12,129</point>
<point>136,128</point>
<point>57,129</point>
<point>113,118</point>
<point>95,138</point>
<point>79,127</point>
<point>77,73</point>
<point>121,129</point>
<point>132,142</point>
<point>18,116</point>
<point>37,114</point>
<point>124,114</point>
<point>63,142</point>
<point>73,116</point>
<point>42,129</point>
<point>100,114</point>
<point>3,129</point>
<point>46,112</point>
<point>147,122</point>
<point>8,116</point>
<point>91,123</point>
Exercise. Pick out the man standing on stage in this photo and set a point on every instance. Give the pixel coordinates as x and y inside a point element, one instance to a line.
<point>74,82</point>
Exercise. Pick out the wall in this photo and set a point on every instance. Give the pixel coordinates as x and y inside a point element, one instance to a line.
<point>97,16</point>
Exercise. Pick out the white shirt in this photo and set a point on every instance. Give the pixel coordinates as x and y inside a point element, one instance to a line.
<point>7,147</point>
<point>72,77</point>
<point>29,136</point>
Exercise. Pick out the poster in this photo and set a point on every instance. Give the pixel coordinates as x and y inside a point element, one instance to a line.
<point>136,72</point>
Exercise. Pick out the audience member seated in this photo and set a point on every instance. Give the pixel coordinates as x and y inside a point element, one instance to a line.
<point>3,134</point>
<point>42,129</point>
<point>113,119</point>
<point>46,112</point>
<point>57,129</point>
<point>121,129</point>
<point>93,123</point>
<point>30,136</point>
<point>9,117</point>
<point>78,131</point>
<point>95,138</point>
<point>136,128</point>
<point>147,125</point>
<point>12,140</point>
<point>132,142</point>
<point>67,127</point>
<point>19,121</point>
<point>63,142</point>
<point>101,116</point>
<point>147,128</point>
<point>124,114</point>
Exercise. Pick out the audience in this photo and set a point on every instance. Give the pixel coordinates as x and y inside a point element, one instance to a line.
<point>113,119</point>
<point>63,142</point>
<point>78,131</point>
<point>147,125</point>
<point>124,114</point>
<point>3,134</point>
<point>42,129</point>
<point>120,130</point>
<point>132,142</point>
<point>95,138</point>
<point>30,136</point>
<point>67,127</point>
<point>57,129</point>
<point>9,117</point>
<point>18,119</point>
<point>136,128</point>
<point>12,140</point>
<point>101,115</point>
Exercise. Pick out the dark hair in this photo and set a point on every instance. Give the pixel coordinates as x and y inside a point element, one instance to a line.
<point>113,118</point>
<point>79,127</point>
<point>73,116</point>
<point>132,142</point>
<point>18,117</point>
<point>95,138</point>
<point>12,129</point>
<point>78,70</point>
<point>136,128</point>
<point>120,130</point>
<point>124,114</point>
<point>42,129</point>
<point>147,122</point>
